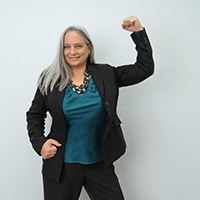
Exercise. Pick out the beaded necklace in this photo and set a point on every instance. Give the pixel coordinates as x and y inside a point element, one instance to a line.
<point>80,89</point>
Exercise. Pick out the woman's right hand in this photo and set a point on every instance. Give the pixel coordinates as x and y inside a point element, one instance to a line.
<point>49,148</point>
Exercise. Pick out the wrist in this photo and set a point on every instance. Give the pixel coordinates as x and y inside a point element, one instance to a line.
<point>139,29</point>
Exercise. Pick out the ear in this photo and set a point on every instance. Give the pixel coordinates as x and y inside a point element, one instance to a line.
<point>89,48</point>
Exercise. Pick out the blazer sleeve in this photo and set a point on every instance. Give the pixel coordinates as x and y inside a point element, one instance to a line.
<point>144,65</point>
<point>35,117</point>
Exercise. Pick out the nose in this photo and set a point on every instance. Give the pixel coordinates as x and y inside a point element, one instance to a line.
<point>72,50</point>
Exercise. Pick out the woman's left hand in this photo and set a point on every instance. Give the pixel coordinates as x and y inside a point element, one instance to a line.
<point>132,24</point>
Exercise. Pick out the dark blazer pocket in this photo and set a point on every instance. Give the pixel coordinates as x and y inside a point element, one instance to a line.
<point>116,121</point>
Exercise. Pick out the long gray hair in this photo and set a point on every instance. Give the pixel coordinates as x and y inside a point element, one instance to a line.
<point>59,69</point>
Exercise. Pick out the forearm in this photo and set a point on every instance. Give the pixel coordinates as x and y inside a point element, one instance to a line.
<point>144,57</point>
<point>144,65</point>
<point>36,121</point>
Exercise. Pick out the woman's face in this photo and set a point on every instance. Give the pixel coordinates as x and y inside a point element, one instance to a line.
<point>75,49</point>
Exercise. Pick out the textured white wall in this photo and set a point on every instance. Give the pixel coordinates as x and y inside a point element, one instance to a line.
<point>160,116</point>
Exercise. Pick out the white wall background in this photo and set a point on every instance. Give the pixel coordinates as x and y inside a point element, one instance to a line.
<point>160,116</point>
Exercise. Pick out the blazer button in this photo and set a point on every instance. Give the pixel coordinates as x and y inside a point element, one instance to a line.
<point>107,103</point>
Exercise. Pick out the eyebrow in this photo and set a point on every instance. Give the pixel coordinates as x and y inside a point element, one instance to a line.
<point>75,44</point>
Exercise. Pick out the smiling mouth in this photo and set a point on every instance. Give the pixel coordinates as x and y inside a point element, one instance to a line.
<point>74,58</point>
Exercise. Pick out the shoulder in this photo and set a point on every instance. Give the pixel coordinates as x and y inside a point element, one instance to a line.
<point>104,68</point>
<point>106,71</point>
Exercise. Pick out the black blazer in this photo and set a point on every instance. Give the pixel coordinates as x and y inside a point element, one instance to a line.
<point>107,80</point>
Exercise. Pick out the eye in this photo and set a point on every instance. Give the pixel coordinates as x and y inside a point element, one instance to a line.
<point>78,46</point>
<point>66,47</point>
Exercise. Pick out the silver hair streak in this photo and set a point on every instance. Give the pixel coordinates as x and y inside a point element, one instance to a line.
<point>59,69</point>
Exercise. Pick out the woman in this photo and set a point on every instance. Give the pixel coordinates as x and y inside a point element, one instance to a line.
<point>81,96</point>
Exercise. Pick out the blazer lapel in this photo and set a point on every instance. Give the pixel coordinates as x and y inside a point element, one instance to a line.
<point>60,97</point>
<point>96,76</point>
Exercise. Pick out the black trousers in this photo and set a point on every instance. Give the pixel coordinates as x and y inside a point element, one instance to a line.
<point>100,183</point>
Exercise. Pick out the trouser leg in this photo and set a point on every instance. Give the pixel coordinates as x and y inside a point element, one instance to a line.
<point>102,183</point>
<point>69,187</point>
